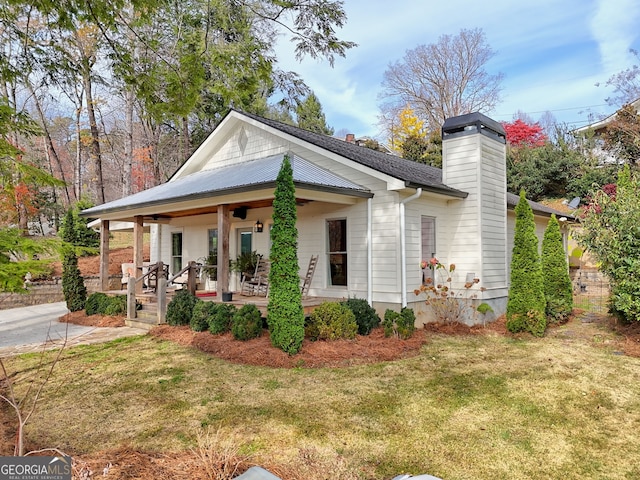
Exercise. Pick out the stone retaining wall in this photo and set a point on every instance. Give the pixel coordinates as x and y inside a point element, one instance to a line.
<point>50,291</point>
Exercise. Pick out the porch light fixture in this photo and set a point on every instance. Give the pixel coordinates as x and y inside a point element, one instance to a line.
<point>258,226</point>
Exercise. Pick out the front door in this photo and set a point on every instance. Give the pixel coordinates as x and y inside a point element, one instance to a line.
<point>245,241</point>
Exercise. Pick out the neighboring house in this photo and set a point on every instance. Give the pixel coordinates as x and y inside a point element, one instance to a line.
<point>371,217</point>
<point>596,130</point>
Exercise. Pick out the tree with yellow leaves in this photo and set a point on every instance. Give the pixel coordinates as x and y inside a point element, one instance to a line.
<point>411,139</point>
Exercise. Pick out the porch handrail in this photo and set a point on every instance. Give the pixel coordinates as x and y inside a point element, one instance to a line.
<point>161,287</point>
<point>153,269</point>
<point>192,268</point>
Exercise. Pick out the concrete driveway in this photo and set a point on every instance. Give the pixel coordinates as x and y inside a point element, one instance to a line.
<point>27,329</point>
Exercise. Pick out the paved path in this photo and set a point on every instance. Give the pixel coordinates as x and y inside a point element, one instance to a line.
<point>27,329</point>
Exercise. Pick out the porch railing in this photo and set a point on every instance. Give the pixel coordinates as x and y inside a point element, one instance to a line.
<point>156,279</point>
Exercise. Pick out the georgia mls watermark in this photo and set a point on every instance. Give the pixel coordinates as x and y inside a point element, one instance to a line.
<point>35,468</point>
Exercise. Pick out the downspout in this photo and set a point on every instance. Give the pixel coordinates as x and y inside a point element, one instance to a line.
<point>403,245</point>
<point>369,253</point>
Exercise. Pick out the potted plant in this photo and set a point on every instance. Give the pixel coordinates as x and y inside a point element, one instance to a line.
<point>245,263</point>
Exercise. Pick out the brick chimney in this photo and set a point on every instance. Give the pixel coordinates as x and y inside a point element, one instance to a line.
<point>350,138</point>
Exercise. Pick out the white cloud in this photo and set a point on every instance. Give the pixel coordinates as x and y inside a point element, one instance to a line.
<point>614,27</point>
<point>551,56</point>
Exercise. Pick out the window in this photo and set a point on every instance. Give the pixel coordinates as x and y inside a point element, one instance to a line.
<point>176,252</point>
<point>428,239</point>
<point>213,241</point>
<point>337,241</point>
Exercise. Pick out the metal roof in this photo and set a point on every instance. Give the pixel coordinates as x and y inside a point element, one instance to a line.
<point>233,179</point>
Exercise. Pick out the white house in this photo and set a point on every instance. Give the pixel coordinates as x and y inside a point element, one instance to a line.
<point>371,217</point>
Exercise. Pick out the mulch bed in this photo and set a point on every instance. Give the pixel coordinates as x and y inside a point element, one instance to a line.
<point>259,351</point>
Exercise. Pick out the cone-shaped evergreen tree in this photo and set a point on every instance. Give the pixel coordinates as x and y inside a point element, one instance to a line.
<point>526,304</point>
<point>73,288</point>
<point>285,314</point>
<point>558,291</point>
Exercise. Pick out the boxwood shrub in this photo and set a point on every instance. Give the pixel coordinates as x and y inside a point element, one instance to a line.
<point>96,303</point>
<point>247,323</point>
<point>331,321</point>
<point>221,318</point>
<point>366,316</point>
<point>202,312</point>
<point>180,308</point>
<point>99,303</point>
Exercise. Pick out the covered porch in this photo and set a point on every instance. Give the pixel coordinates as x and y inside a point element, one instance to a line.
<point>224,200</point>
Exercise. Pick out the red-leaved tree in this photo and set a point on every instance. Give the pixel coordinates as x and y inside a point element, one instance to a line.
<point>521,134</point>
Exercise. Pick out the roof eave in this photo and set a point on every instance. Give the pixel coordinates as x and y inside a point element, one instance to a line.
<point>449,192</point>
<point>96,211</point>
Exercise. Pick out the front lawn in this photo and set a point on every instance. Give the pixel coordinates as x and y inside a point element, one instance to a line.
<point>566,406</point>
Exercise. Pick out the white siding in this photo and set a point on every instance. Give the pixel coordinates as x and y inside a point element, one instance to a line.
<point>476,226</point>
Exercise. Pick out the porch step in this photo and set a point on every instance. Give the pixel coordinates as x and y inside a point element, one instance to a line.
<point>146,318</point>
<point>141,322</point>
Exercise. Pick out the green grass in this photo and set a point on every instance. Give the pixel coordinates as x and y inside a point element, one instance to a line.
<point>466,408</point>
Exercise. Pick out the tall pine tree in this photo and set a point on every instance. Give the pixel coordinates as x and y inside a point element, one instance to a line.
<point>310,116</point>
<point>285,314</point>
<point>526,303</point>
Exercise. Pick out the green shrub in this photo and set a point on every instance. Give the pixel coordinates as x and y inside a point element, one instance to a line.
<point>221,318</point>
<point>532,321</point>
<point>558,290</point>
<point>74,229</point>
<point>366,316</point>
<point>116,305</point>
<point>96,303</point>
<point>102,304</point>
<point>73,288</point>
<point>399,324</point>
<point>202,312</point>
<point>247,323</point>
<point>526,303</point>
<point>285,314</point>
<point>331,321</point>
<point>180,308</point>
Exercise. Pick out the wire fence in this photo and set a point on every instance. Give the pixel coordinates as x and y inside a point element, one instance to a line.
<point>590,291</point>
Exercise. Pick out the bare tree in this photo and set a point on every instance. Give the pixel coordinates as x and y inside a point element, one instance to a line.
<point>626,84</point>
<point>25,407</point>
<point>443,79</point>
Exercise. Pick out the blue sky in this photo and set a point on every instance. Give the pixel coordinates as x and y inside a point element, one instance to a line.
<point>551,52</point>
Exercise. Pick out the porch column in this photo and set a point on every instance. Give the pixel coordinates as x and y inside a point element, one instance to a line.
<point>224,228</point>
<point>104,255</point>
<point>138,239</point>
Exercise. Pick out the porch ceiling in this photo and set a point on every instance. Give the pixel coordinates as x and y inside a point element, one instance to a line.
<point>250,183</point>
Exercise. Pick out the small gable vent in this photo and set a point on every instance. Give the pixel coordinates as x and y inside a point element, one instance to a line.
<point>243,139</point>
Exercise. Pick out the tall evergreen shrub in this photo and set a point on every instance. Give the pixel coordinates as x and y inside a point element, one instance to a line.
<point>558,291</point>
<point>285,315</point>
<point>526,303</point>
<point>73,288</point>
